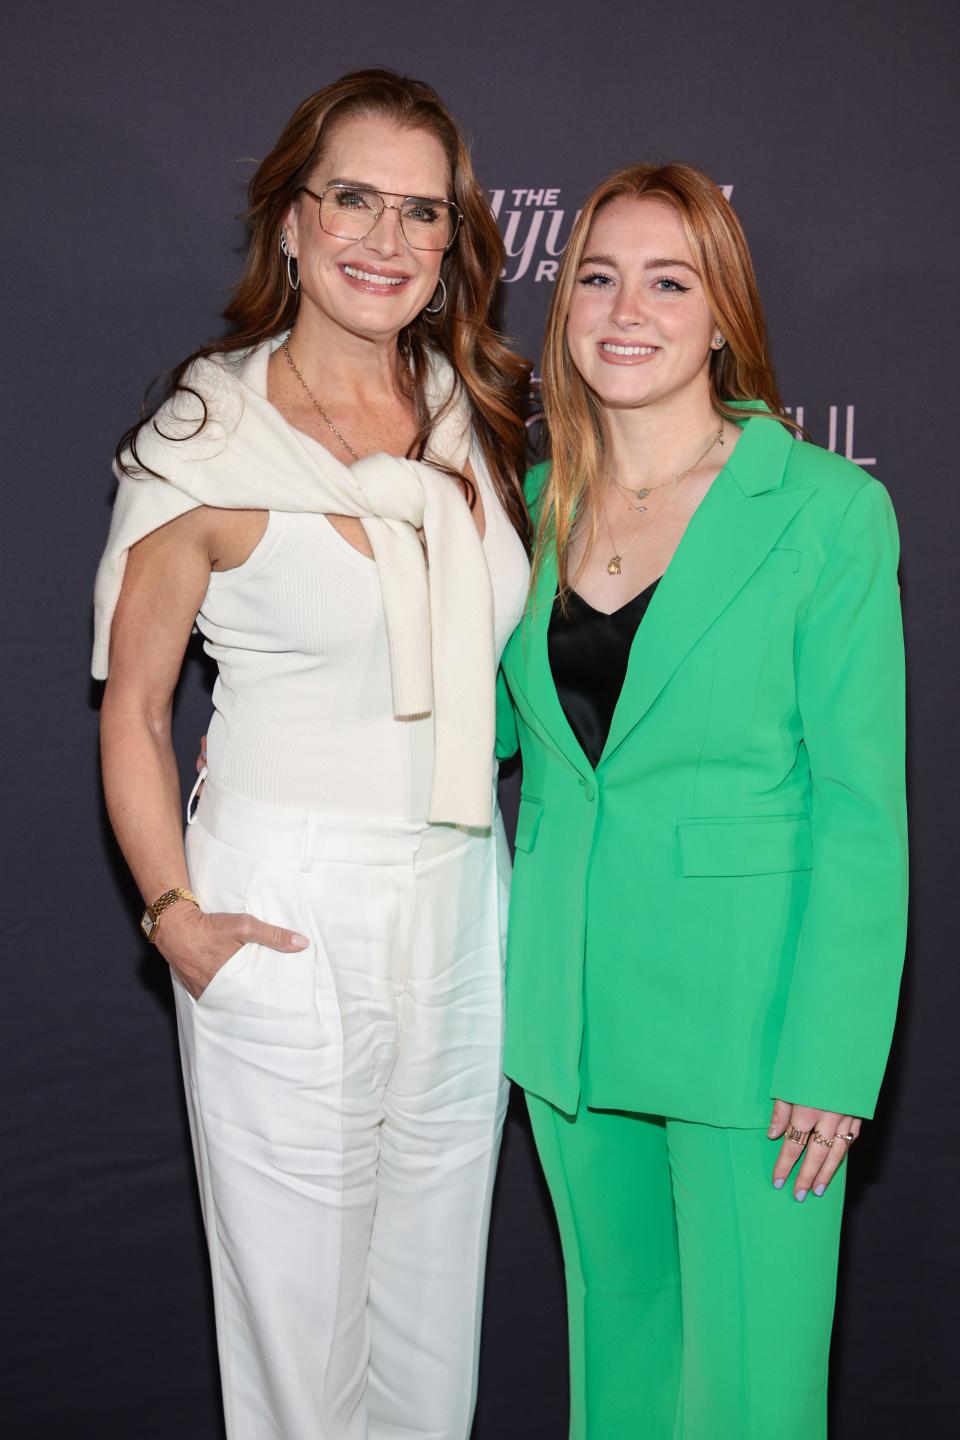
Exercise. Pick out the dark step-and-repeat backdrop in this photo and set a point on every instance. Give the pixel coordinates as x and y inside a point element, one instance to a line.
<point>131,131</point>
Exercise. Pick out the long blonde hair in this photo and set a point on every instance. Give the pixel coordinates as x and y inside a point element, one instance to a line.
<point>741,370</point>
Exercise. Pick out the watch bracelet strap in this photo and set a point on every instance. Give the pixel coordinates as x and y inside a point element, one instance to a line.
<point>170,897</point>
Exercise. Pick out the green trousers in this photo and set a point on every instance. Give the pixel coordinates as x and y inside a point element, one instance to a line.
<point>700,1299</point>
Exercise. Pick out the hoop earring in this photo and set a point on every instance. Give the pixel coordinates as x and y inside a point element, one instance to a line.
<point>293,279</point>
<point>435,309</point>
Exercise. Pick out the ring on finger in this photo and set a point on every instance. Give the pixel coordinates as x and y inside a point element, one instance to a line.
<point>820,1139</point>
<point>849,1138</point>
<point>798,1137</point>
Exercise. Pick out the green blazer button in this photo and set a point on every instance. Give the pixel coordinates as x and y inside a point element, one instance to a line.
<point>589,791</point>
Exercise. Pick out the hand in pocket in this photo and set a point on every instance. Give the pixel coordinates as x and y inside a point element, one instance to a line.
<point>195,945</point>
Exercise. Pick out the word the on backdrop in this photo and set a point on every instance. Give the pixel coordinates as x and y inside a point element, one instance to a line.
<point>536,230</point>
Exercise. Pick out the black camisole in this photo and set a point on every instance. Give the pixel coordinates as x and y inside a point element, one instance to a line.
<point>588,653</point>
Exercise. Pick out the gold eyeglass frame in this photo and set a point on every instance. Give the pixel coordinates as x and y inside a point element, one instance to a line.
<point>381,194</point>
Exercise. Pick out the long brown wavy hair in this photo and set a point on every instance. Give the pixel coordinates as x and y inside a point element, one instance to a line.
<point>262,304</point>
<point>742,370</point>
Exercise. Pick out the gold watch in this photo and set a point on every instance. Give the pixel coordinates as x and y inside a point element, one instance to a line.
<point>150,921</point>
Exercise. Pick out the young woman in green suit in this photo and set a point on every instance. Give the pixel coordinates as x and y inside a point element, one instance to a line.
<point>709,900</point>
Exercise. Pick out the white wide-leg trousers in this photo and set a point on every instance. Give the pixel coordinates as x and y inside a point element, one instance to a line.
<point>346,1105</point>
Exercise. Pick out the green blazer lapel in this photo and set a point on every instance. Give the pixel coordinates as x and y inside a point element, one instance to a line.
<point>738,522</point>
<point>526,663</point>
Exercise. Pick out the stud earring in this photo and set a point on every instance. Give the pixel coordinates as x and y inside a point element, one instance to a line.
<point>719,341</point>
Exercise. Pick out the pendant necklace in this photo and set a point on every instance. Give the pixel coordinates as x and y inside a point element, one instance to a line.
<point>614,564</point>
<point>291,362</point>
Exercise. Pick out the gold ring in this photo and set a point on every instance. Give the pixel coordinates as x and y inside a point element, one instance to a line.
<point>849,1138</point>
<point>821,1139</point>
<point>799,1137</point>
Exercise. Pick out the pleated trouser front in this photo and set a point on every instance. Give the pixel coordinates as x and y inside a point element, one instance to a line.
<point>346,1105</point>
<point>700,1300</point>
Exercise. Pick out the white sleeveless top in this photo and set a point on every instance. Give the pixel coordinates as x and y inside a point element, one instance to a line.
<point>303,702</point>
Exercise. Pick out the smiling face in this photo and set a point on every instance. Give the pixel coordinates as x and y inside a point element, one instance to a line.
<point>639,328</point>
<point>375,285</point>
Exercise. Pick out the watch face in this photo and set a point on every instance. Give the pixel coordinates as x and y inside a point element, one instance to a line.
<point>148,924</point>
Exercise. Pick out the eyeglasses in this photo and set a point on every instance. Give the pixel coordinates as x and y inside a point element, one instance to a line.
<point>351,211</point>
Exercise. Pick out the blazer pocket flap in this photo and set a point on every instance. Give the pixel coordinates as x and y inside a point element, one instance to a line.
<point>528,823</point>
<point>768,846</point>
<point>782,560</point>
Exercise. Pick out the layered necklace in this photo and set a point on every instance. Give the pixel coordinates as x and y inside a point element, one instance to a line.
<point>293,366</point>
<point>645,492</point>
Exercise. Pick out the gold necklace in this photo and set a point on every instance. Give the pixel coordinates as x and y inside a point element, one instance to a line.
<point>645,491</point>
<point>290,361</point>
<point>614,564</point>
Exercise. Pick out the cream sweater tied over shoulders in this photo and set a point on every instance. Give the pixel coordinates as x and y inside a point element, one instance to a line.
<point>439,617</point>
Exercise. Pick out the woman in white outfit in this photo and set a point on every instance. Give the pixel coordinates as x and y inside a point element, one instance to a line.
<point>333,495</point>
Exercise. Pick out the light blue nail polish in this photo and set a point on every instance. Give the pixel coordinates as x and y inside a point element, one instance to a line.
<point>801,1196</point>
<point>778,1184</point>
<point>819,1189</point>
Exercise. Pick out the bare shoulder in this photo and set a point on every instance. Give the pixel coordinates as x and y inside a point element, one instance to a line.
<point>210,538</point>
<point>233,535</point>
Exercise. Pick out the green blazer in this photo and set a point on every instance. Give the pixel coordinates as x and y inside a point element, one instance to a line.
<point>717,914</point>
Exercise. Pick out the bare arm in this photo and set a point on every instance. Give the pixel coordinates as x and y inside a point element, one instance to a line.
<point>165,581</point>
